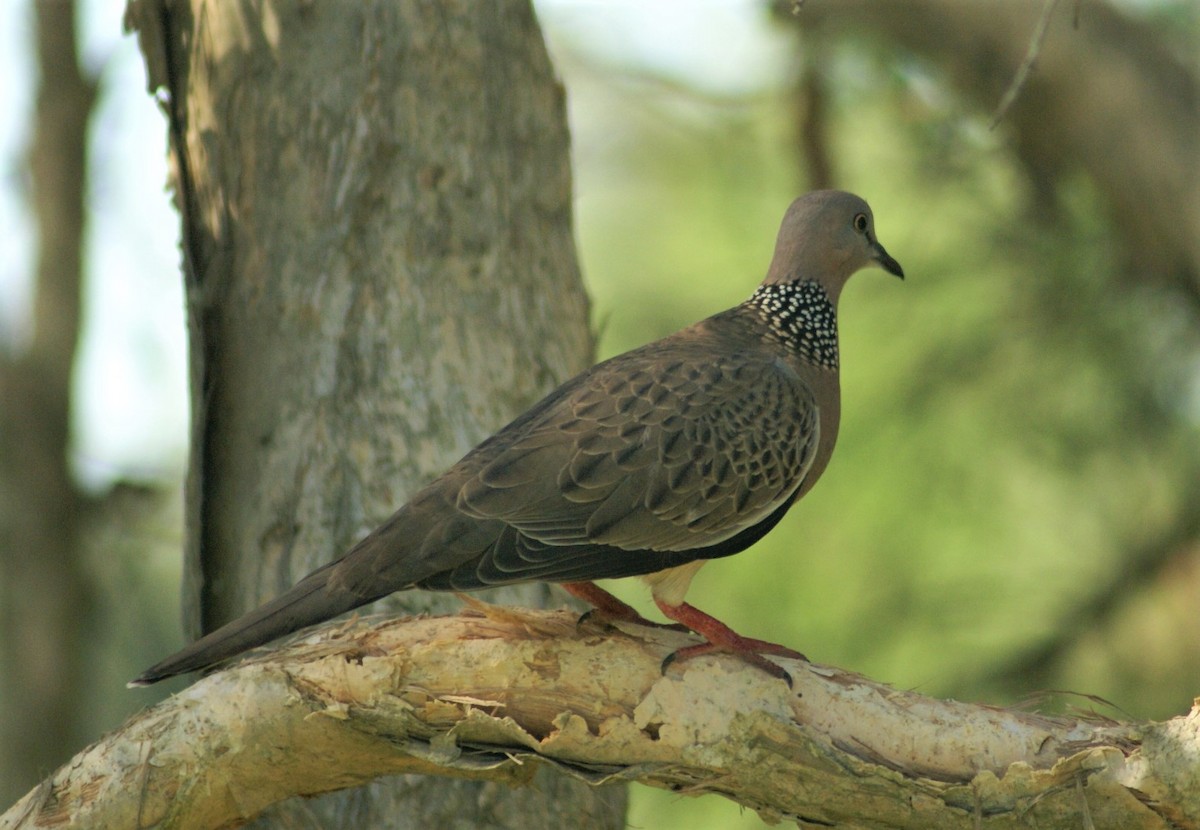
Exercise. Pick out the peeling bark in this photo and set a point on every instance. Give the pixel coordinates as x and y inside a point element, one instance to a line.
<point>498,694</point>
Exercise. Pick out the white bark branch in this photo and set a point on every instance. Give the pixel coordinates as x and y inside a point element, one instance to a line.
<point>493,692</point>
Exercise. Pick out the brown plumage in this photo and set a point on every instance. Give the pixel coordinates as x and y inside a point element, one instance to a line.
<point>650,463</point>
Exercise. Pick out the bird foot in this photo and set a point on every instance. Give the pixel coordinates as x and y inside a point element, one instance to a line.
<point>723,639</point>
<point>607,608</point>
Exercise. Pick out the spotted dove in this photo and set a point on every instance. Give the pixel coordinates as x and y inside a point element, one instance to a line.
<point>648,464</point>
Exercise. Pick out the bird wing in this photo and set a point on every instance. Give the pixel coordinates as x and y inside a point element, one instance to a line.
<point>662,452</point>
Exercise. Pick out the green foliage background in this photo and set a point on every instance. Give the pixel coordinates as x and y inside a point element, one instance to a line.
<point>1019,425</point>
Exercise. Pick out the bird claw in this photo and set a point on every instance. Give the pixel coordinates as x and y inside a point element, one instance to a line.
<point>607,609</point>
<point>605,618</point>
<point>721,638</point>
<point>752,658</point>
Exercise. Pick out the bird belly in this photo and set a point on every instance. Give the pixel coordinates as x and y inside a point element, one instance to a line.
<point>672,585</point>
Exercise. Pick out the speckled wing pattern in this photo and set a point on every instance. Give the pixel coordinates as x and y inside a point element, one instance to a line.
<point>670,451</point>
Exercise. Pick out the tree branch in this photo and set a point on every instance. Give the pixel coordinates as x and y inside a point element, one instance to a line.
<point>493,693</point>
<point>1026,68</point>
<point>1137,89</point>
<point>1149,562</point>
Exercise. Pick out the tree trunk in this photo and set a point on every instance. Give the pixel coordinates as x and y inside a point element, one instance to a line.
<point>44,589</point>
<point>380,272</point>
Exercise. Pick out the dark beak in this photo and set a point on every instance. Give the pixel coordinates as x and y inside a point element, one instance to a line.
<point>885,260</point>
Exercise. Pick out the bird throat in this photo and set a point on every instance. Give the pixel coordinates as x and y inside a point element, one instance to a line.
<point>801,316</point>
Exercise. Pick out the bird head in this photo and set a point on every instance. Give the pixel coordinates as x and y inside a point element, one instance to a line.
<point>826,236</point>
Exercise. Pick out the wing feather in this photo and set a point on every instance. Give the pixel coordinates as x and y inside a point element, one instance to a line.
<point>672,455</point>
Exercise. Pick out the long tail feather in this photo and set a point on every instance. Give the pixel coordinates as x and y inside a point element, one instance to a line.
<point>310,601</point>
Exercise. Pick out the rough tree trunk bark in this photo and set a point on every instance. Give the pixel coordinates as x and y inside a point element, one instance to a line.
<point>380,271</point>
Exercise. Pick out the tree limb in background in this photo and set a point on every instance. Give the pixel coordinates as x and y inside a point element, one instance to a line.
<point>495,693</point>
<point>1026,68</point>
<point>1109,78</point>
<point>1032,667</point>
<point>814,118</point>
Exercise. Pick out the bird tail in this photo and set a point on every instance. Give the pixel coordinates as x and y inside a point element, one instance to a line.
<point>314,599</point>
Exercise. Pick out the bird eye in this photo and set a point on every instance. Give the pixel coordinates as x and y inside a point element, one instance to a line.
<point>860,222</point>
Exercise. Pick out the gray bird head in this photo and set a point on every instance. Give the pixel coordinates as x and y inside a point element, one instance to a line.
<point>826,236</point>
